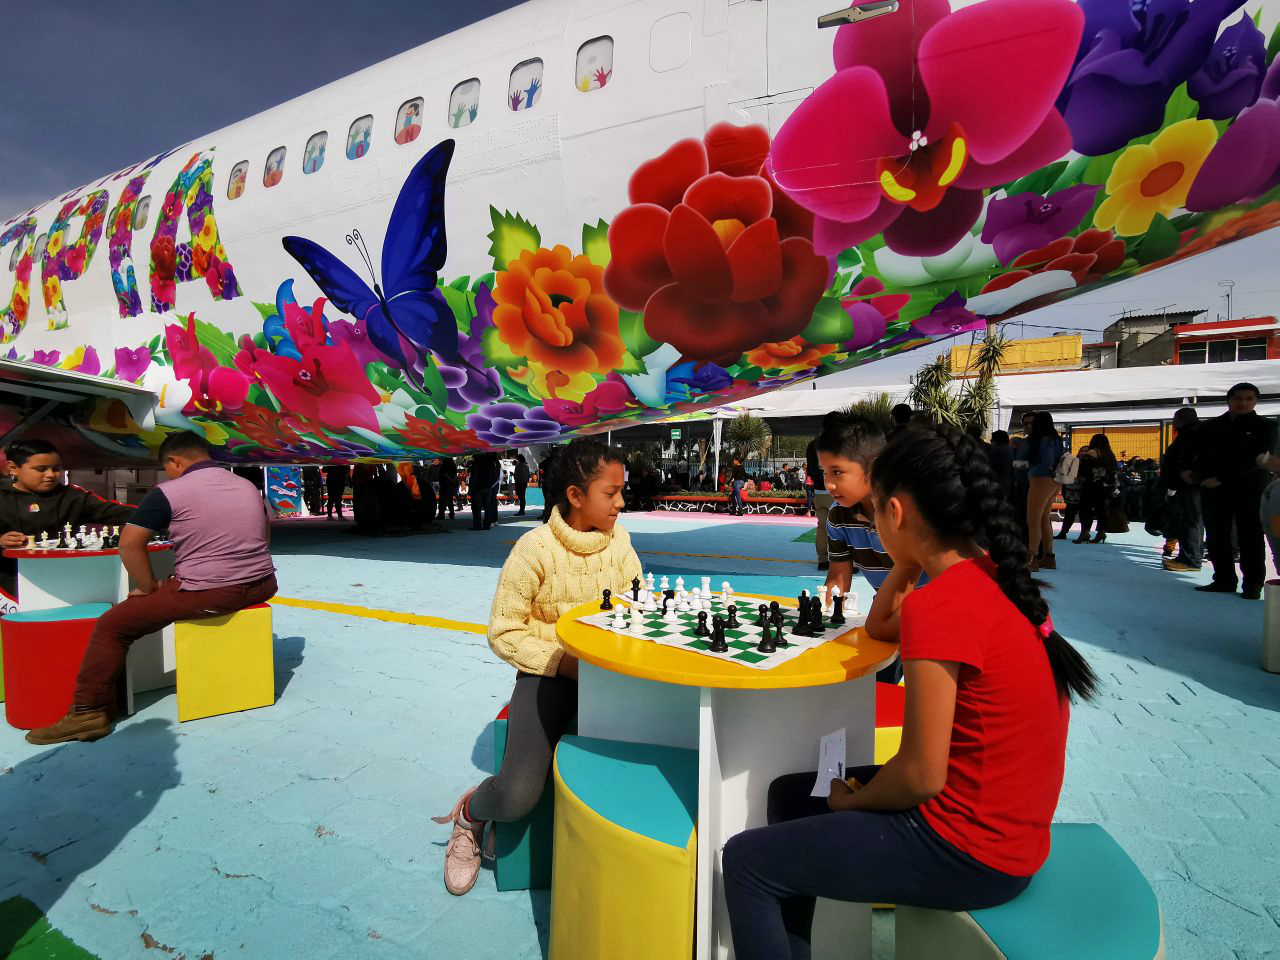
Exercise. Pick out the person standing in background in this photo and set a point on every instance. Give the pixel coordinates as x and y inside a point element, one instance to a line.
<point>335,481</point>
<point>821,499</point>
<point>1021,482</point>
<point>1176,477</point>
<point>1000,454</point>
<point>486,473</point>
<point>521,480</point>
<point>448,486</point>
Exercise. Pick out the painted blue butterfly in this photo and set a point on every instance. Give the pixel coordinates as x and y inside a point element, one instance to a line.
<point>410,318</point>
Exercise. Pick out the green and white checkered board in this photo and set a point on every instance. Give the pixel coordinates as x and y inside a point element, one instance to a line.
<point>742,640</point>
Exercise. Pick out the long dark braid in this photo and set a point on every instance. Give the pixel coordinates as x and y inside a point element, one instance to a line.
<point>950,479</point>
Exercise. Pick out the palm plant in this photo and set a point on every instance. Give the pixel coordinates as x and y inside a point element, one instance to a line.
<point>931,388</point>
<point>749,436</point>
<point>875,409</point>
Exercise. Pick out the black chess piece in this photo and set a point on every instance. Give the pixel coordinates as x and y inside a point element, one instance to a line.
<point>670,595</point>
<point>62,540</point>
<point>718,642</point>
<point>837,613</point>
<point>635,589</point>
<point>816,626</point>
<point>762,616</point>
<point>773,609</point>
<point>801,628</point>
<point>702,630</point>
<point>607,602</point>
<point>733,623</point>
<point>780,636</point>
<point>766,644</point>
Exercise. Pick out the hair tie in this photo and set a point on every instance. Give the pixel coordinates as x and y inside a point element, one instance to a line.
<point>1045,629</point>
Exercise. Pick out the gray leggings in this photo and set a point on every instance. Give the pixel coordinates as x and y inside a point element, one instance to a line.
<point>541,712</point>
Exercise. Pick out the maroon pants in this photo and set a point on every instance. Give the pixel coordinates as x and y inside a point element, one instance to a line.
<point>136,617</point>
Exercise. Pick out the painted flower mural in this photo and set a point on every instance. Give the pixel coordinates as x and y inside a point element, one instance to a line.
<point>702,255</point>
<point>957,168</point>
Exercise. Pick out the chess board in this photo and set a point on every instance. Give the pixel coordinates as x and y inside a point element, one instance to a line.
<point>742,640</point>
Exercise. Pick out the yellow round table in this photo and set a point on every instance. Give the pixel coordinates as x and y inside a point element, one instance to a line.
<point>748,725</point>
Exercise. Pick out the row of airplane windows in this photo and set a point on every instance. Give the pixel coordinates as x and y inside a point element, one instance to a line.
<point>524,89</point>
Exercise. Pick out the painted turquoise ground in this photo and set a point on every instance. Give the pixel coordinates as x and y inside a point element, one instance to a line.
<point>302,830</point>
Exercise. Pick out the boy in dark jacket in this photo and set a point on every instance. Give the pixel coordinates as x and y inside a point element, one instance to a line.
<point>36,500</point>
<point>1187,530</point>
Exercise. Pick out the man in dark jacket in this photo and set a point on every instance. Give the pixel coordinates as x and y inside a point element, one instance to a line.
<point>486,473</point>
<point>1226,466</point>
<point>1186,524</point>
<point>522,480</point>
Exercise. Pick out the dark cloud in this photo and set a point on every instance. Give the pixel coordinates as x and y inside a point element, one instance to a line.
<point>90,87</point>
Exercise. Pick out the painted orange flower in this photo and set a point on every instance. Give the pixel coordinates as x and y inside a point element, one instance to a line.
<point>789,355</point>
<point>552,308</point>
<point>439,436</point>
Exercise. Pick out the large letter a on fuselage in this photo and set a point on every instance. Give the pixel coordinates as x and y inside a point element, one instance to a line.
<point>203,258</point>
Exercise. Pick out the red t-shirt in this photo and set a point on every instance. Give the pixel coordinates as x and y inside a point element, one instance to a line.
<point>1009,738</point>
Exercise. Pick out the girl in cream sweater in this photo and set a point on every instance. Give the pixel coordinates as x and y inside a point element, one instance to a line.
<point>551,570</point>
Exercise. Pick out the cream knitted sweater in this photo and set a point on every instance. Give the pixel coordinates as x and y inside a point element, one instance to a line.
<point>551,570</point>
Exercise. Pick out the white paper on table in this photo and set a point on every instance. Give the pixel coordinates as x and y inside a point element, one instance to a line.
<point>831,751</point>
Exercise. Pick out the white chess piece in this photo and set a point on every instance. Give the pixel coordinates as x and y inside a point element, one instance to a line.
<point>31,542</point>
<point>637,624</point>
<point>648,582</point>
<point>682,605</point>
<point>822,595</point>
<point>619,618</point>
<point>706,586</point>
<point>851,604</point>
<point>649,604</point>
<point>679,584</point>
<point>670,615</point>
<point>695,598</point>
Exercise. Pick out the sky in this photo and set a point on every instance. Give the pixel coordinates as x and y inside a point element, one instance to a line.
<point>91,87</point>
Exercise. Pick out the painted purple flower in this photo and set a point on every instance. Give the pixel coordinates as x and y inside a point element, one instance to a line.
<point>700,377</point>
<point>1232,77</point>
<point>89,362</point>
<point>485,305</point>
<point>949,318</point>
<point>1271,82</point>
<point>870,311</point>
<point>46,358</point>
<point>468,382</point>
<point>356,336</point>
<point>1028,221</point>
<point>1244,164</point>
<point>12,354</point>
<point>131,364</point>
<point>511,425</point>
<point>1134,54</point>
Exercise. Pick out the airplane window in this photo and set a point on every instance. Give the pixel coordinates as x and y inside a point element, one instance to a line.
<point>273,171</point>
<point>595,64</point>
<point>141,212</point>
<point>358,137</point>
<point>236,182</point>
<point>313,154</point>
<point>464,103</point>
<point>409,121</point>
<point>39,249</point>
<point>525,88</point>
<point>16,255</point>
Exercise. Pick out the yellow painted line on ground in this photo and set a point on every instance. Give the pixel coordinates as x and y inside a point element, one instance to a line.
<point>713,556</point>
<point>372,613</point>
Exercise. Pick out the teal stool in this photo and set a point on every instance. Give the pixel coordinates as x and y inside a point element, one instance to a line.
<point>1088,900</point>
<point>522,849</point>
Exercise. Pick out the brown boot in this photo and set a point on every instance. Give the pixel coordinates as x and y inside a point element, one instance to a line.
<point>76,725</point>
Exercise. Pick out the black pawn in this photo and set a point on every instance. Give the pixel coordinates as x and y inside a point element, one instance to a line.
<point>607,602</point>
<point>702,630</point>
<point>718,642</point>
<point>837,612</point>
<point>635,589</point>
<point>773,610</point>
<point>815,617</point>
<point>766,644</point>
<point>762,615</point>
<point>780,636</point>
<point>733,623</point>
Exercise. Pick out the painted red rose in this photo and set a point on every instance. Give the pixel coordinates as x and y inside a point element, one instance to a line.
<point>715,256</point>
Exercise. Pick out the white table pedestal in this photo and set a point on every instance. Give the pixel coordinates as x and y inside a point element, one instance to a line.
<point>745,739</point>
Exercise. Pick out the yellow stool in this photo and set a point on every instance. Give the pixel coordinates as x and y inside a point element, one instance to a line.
<point>225,664</point>
<point>625,860</point>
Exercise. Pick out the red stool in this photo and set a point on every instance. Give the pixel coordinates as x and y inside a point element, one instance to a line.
<point>42,654</point>
<point>890,702</point>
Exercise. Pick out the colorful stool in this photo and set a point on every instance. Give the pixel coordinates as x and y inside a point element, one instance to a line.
<point>1088,900</point>
<point>890,700</point>
<point>625,851</point>
<point>42,652</point>
<point>225,664</point>
<point>522,848</point>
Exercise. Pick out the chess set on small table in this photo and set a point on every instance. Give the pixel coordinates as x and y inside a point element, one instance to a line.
<point>721,625</point>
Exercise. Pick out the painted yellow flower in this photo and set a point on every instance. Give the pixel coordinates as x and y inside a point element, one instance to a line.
<point>1154,178</point>
<point>572,388</point>
<point>54,244</point>
<point>208,233</point>
<point>74,359</point>
<point>52,291</point>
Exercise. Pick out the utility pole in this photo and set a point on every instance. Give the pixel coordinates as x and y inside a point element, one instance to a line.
<point>1228,284</point>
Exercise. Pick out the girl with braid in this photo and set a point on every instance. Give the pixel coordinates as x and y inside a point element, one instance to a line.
<point>959,818</point>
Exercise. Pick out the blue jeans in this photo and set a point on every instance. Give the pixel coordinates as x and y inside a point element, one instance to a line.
<point>772,874</point>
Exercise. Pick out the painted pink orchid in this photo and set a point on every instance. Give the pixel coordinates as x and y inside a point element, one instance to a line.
<point>307,328</point>
<point>132,363</point>
<point>904,145</point>
<point>328,385</point>
<point>214,388</point>
<point>611,396</point>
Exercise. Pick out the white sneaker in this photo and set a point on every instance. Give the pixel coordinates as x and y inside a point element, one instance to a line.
<point>462,856</point>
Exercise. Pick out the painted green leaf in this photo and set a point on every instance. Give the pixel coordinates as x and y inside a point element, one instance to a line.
<point>1099,168</point>
<point>221,344</point>
<point>595,243</point>
<point>486,280</point>
<point>750,373</point>
<point>1071,174</point>
<point>434,385</point>
<point>265,310</point>
<point>497,353</point>
<point>512,234</point>
<point>1179,107</point>
<point>1160,241</point>
<point>631,327</point>
<point>830,323</point>
<point>154,345</point>
<point>1040,181</point>
<point>461,283</point>
<point>1273,45</point>
<point>632,364</point>
<point>462,304</point>
<point>260,341</point>
<point>260,397</point>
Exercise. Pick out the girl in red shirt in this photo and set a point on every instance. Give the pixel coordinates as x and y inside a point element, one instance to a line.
<point>959,818</point>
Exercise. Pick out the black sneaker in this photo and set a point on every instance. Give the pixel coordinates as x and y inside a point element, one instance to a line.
<point>1251,593</point>
<point>1215,587</point>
